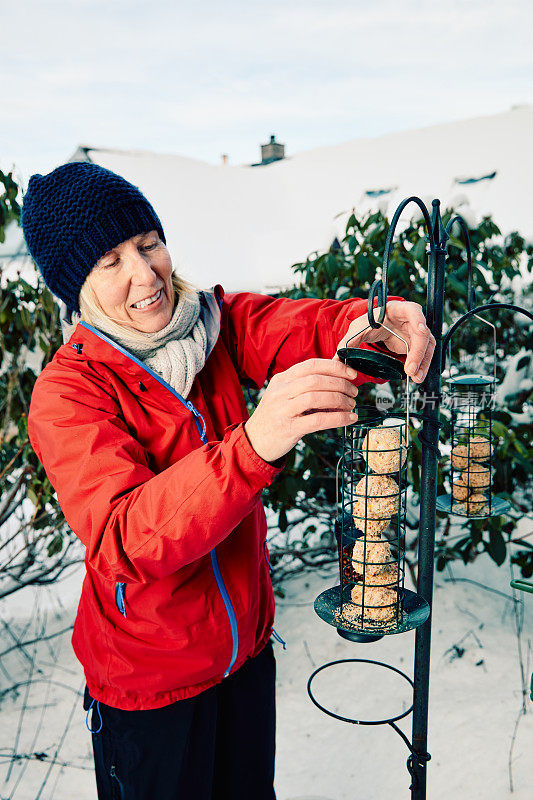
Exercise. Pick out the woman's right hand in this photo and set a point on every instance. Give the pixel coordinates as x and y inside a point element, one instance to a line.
<point>313,395</point>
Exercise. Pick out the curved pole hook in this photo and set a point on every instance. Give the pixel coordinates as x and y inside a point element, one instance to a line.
<point>486,307</point>
<point>380,287</point>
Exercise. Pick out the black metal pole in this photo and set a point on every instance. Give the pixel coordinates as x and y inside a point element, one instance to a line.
<point>428,493</point>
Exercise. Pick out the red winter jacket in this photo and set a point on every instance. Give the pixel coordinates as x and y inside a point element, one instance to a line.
<point>165,494</point>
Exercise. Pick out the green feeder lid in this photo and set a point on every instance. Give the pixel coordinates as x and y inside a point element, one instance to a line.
<point>472,381</point>
<point>370,362</point>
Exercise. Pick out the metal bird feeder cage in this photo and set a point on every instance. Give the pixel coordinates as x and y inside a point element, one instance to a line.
<point>471,402</point>
<point>370,599</point>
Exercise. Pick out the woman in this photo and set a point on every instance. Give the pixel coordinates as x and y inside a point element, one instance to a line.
<point>141,425</point>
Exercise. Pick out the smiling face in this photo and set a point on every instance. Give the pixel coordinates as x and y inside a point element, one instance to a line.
<point>133,283</point>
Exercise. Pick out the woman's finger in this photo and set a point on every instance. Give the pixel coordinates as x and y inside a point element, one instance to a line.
<point>320,401</point>
<point>320,383</point>
<point>318,366</point>
<point>418,344</point>
<point>426,361</point>
<point>416,374</point>
<point>322,421</point>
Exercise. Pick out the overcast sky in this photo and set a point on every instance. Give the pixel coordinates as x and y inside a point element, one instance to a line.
<point>205,78</point>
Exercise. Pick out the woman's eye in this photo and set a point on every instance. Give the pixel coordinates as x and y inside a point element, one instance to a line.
<point>149,246</point>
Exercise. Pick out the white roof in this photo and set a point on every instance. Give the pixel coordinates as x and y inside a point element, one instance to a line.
<point>244,226</point>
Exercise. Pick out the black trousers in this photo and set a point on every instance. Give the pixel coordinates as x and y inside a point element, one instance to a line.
<point>219,745</point>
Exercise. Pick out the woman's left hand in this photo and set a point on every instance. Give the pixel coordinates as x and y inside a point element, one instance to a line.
<point>406,319</point>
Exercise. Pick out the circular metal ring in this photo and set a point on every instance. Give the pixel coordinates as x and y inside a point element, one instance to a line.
<point>348,719</point>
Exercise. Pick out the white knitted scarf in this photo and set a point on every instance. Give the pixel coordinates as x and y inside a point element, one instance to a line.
<point>177,351</point>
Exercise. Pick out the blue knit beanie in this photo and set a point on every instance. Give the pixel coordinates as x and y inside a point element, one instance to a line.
<point>74,215</point>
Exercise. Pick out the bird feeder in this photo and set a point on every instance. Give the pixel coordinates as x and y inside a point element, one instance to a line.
<point>471,402</point>
<point>471,397</point>
<point>370,599</point>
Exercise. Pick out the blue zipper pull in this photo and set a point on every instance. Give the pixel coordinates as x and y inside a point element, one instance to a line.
<point>120,598</point>
<point>95,730</point>
<point>197,414</point>
<point>278,638</point>
<point>270,567</point>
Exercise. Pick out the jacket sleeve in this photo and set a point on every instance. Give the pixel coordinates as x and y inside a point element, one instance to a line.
<point>137,525</point>
<point>266,335</point>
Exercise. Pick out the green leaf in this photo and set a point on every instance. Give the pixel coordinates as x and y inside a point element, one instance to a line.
<point>331,265</point>
<point>453,241</point>
<point>31,495</point>
<point>352,243</point>
<point>365,269</point>
<point>56,545</point>
<point>351,222</point>
<point>520,448</point>
<point>499,429</point>
<point>292,485</point>
<point>496,546</point>
<point>25,316</point>
<point>418,251</point>
<point>47,300</point>
<point>458,287</point>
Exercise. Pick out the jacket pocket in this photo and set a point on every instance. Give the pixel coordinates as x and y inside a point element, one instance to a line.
<point>120,598</point>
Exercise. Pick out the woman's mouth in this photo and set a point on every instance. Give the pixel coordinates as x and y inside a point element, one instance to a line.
<point>148,301</point>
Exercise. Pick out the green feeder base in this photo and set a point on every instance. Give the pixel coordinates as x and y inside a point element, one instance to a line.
<point>498,506</point>
<point>414,611</point>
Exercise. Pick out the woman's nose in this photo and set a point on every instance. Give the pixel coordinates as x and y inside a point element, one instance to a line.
<point>141,270</point>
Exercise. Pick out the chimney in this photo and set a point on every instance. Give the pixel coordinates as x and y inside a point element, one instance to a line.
<point>273,151</point>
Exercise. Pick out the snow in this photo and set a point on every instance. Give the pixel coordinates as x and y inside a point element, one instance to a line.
<point>475,697</point>
<point>245,226</point>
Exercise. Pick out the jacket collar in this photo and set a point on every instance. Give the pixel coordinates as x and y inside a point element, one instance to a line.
<point>95,345</point>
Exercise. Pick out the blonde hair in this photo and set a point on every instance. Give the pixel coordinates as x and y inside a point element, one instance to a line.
<point>92,312</point>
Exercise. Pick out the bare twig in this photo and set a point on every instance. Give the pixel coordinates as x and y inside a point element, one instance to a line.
<point>79,694</point>
<point>18,644</point>
<point>23,709</point>
<point>17,454</point>
<point>309,656</point>
<point>481,586</point>
<point>45,758</point>
<point>40,579</point>
<point>46,705</point>
<point>15,686</point>
<point>32,641</point>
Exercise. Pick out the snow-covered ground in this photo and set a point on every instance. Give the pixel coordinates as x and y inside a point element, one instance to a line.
<point>475,697</point>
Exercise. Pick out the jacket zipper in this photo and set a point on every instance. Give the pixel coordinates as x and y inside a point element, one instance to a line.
<point>229,608</point>
<point>113,774</point>
<point>120,593</point>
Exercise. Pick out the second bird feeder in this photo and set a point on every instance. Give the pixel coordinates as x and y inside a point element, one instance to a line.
<point>470,399</point>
